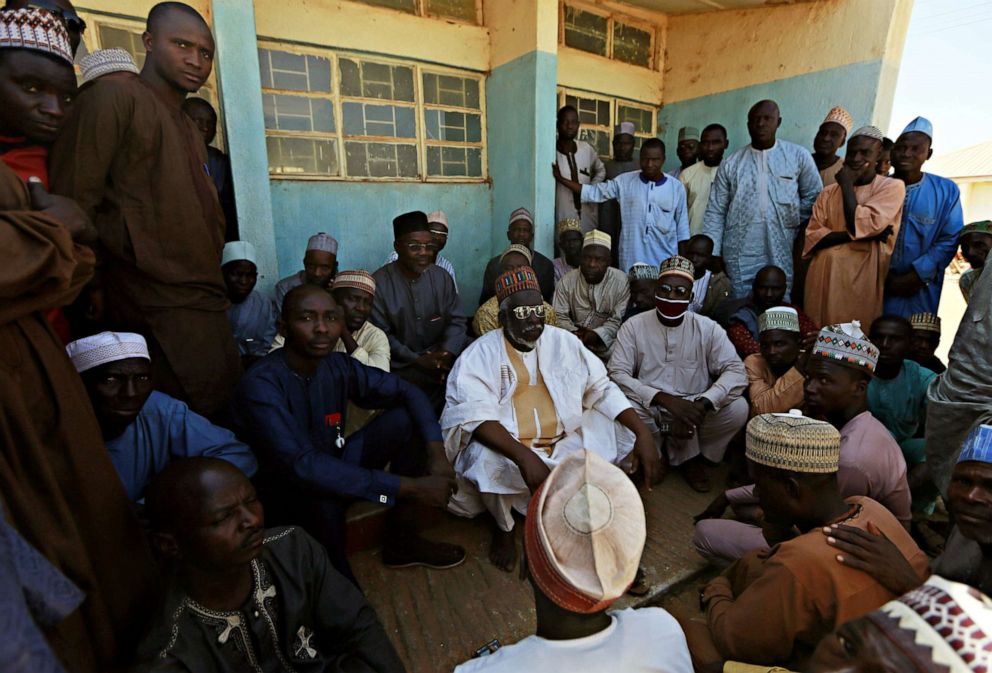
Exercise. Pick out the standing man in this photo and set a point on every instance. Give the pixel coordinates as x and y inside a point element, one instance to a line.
<point>60,490</point>
<point>682,375</point>
<point>931,222</point>
<point>976,241</point>
<point>687,149</point>
<point>520,232</point>
<point>320,263</point>
<point>622,162</point>
<point>850,236</point>
<point>590,300</point>
<point>829,138</point>
<point>218,164</point>
<point>578,161</point>
<point>651,203</point>
<point>135,163</point>
<point>698,178</point>
<point>570,244</point>
<point>760,197</point>
<point>416,305</point>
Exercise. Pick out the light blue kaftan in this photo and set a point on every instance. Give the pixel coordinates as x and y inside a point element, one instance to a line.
<point>253,322</point>
<point>927,242</point>
<point>164,430</point>
<point>654,214</point>
<point>758,201</point>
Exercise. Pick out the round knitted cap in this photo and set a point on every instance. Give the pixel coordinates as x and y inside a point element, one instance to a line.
<point>846,344</point>
<point>596,237</point>
<point>99,349</point>
<point>793,442</point>
<point>925,322</point>
<point>514,281</point>
<point>678,266</point>
<point>358,279</point>
<point>105,61</point>
<point>780,317</point>
<point>569,224</point>
<point>35,29</point>
<point>642,271</point>
<point>520,249</point>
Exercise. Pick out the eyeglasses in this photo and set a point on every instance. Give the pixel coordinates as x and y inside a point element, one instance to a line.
<point>69,17</point>
<point>680,291</point>
<point>524,312</point>
<point>421,247</point>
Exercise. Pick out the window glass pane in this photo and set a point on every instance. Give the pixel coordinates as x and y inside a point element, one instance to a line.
<point>455,9</point>
<point>451,90</point>
<point>367,79</point>
<point>381,160</point>
<point>631,45</point>
<point>642,119</point>
<point>585,30</point>
<point>600,140</point>
<point>453,162</point>
<point>129,41</point>
<point>297,113</point>
<point>302,156</point>
<point>368,119</point>
<point>293,72</point>
<point>408,6</point>
<point>592,111</point>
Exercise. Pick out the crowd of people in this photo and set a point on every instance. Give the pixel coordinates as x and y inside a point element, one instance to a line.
<point>179,448</point>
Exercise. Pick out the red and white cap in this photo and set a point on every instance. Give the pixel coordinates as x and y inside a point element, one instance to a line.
<point>36,29</point>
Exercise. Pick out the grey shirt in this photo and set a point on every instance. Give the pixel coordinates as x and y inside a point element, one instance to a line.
<point>418,316</point>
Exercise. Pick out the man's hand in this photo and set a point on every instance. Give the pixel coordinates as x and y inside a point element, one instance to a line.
<point>903,284</point>
<point>432,490</point>
<point>645,456</point>
<point>592,341</point>
<point>846,175</point>
<point>681,409</point>
<point>715,509</point>
<point>533,470</point>
<point>64,210</point>
<point>805,349</point>
<point>446,360</point>
<point>556,172</point>
<point>871,552</point>
<point>883,235</point>
<point>438,464</point>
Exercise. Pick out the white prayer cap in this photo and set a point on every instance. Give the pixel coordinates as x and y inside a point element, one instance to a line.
<point>869,131</point>
<point>235,251</point>
<point>105,61</point>
<point>623,127</point>
<point>323,243</point>
<point>584,533</point>
<point>99,349</point>
<point>437,217</point>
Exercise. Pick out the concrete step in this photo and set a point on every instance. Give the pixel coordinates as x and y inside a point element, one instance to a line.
<point>437,619</point>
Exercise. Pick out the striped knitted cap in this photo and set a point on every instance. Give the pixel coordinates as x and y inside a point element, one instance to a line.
<point>515,281</point>
<point>596,237</point>
<point>519,249</point>
<point>358,279</point>
<point>793,442</point>
<point>521,214</point>
<point>925,322</point>
<point>846,344</point>
<point>781,317</point>
<point>642,271</point>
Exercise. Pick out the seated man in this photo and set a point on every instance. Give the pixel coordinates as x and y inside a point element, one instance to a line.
<point>775,380</point>
<point>941,626</point>
<point>581,554</point>
<point>354,292</point>
<point>570,244</point>
<point>145,430</point>
<point>709,289</point>
<point>590,300</point>
<point>773,606</point>
<point>246,598</point>
<point>293,405</point>
<point>519,401</point>
<point>926,338</point>
<point>251,314</point>
<point>521,231</point>
<point>967,555</point>
<point>438,222</point>
<point>417,306</point>
<point>486,319</point>
<point>740,316</point>
<point>975,240</point>
<point>320,263</point>
<point>642,279</point>
<point>840,365</point>
<point>897,394</point>
<point>682,376</point>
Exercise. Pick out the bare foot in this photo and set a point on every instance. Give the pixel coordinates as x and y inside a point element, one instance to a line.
<point>503,550</point>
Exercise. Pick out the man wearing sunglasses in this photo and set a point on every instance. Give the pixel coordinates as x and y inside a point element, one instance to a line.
<point>63,9</point>
<point>683,376</point>
<point>522,398</point>
<point>416,305</point>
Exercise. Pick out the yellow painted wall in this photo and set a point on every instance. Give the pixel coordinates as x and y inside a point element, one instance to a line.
<point>520,26</point>
<point>719,51</point>
<point>976,199</point>
<point>138,8</point>
<point>588,72</point>
<point>355,26</point>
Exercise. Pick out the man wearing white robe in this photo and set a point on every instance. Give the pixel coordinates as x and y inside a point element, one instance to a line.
<point>519,400</point>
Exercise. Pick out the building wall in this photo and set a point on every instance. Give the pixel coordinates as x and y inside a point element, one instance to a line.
<point>976,198</point>
<point>808,57</point>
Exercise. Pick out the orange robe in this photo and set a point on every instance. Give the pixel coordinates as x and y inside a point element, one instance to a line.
<point>57,485</point>
<point>846,282</point>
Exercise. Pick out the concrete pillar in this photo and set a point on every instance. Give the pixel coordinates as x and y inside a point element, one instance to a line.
<point>520,109</point>
<point>241,88</point>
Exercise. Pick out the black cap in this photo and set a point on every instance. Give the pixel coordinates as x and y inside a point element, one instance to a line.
<point>408,223</point>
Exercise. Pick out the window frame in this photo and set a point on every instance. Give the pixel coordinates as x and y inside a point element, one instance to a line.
<point>615,105</point>
<point>418,105</point>
<point>422,12</point>
<point>612,18</point>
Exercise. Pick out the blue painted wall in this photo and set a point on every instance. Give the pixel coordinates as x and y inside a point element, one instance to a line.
<point>520,152</point>
<point>804,101</point>
<point>360,215</point>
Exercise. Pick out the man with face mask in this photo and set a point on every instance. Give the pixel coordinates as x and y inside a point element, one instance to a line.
<point>682,375</point>
<point>521,399</point>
